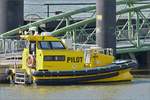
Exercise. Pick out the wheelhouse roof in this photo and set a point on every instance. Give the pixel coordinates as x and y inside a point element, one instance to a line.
<point>39,38</point>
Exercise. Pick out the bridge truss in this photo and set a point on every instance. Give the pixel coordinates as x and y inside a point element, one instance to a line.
<point>132,30</point>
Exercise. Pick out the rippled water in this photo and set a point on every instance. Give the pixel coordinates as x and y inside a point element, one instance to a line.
<point>139,89</point>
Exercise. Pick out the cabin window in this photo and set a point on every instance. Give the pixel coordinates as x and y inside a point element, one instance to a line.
<point>45,45</point>
<point>57,45</point>
<point>51,45</point>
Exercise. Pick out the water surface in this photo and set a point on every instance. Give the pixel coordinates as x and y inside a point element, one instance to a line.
<point>139,89</point>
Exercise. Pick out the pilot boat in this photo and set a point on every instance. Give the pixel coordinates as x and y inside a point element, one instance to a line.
<point>47,61</point>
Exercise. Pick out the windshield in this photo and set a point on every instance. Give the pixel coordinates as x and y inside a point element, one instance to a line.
<point>51,45</point>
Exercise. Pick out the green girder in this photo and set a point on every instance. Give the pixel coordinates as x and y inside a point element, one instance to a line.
<point>38,23</point>
<point>86,21</point>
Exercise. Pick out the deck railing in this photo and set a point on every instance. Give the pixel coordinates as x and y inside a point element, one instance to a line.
<point>11,45</point>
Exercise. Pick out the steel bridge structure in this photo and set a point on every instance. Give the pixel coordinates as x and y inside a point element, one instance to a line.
<point>132,35</point>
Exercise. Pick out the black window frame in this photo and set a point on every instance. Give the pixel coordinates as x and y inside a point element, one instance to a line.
<point>54,58</point>
<point>39,45</point>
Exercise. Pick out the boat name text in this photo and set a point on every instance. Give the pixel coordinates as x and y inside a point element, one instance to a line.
<point>74,59</point>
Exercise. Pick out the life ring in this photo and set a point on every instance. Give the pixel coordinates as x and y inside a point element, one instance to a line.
<point>31,61</point>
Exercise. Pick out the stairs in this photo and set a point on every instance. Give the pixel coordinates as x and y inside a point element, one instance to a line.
<point>21,78</point>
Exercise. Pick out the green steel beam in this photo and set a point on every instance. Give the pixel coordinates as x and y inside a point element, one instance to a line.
<point>129,22</point>
<point>132,49</point>
<point>137,29</point>
<point>38,23</point>
<point>12,32</point>
<point>87,21</point>
<point>72,26</point>
<point>122,2</point>
<point>137,8</point>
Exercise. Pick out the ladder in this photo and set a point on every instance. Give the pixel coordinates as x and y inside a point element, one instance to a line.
<point>20,78</point>
<point>20,75</point>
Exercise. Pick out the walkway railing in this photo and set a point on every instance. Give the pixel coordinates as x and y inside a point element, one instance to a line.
<point>135,31</point>
<point>11,46</point>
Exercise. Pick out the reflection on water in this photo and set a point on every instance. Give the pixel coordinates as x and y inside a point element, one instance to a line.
<point>139,89</point>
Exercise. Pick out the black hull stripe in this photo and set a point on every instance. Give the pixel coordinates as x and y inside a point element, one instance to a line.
<point>98,70</point>
<point>74,80</point>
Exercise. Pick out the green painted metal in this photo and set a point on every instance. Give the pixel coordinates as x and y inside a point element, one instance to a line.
<point>67,24</point>
<point>43,21</point>
<point>134,31</point>
<point>122,2</point>
<point>72,26</point>
<point>76,25</point>
<point>137,30</point>
<point>133,36</point>
<point>132,50</point>
<point>129,22</point>
<point>137,8</point>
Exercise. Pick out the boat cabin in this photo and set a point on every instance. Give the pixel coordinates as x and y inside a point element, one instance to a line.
<point>49,53</point>
<point>45,53</point>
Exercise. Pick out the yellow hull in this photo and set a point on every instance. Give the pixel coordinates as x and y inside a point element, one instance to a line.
<point>122,76</point>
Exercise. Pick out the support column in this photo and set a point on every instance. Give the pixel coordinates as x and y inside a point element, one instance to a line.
<point>11,14</point>
<point>106,24</point>
<point>148,60</point>
<point>15,13</point>
<point>3,16</point>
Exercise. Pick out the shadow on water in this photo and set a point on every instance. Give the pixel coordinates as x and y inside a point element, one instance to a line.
<point>135,81</point>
